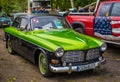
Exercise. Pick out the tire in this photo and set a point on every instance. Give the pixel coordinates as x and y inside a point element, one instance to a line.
<point>44,65</point>
<point>0,25</point>
<point>9,46</point>
<point>79,30</point>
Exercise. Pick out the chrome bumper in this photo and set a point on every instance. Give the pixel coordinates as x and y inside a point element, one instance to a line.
<point>79,68</point>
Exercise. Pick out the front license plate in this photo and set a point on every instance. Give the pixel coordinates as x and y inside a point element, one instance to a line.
<point>86,67</point>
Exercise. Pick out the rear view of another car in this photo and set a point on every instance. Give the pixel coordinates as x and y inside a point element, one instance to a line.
<point>4,20</point>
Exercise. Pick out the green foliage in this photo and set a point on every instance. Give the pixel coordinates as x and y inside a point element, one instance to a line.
<point>62,4</point>
<point>83,3</point>
<point>65,4</point>
<point>10,5</point>
<point>21,5</point>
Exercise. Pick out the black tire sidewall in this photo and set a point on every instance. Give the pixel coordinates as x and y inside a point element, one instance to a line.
<point>8,45</point>
<point>79,30</point>
<point>48,72</point>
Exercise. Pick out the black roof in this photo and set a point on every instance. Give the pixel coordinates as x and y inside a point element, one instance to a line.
<point>39,15</point>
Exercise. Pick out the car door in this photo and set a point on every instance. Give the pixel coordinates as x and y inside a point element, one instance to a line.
<point>21,39</point>
<point>107,22</point>
<point>102,26</point>
<point>115,22</point>
<point>15,41</point>
<point>26,47</point>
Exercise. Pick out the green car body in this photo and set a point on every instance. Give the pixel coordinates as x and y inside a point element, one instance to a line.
<point>48,46</point>
<point>51,39</point>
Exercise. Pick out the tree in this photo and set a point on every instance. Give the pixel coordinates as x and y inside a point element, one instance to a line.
<point>72,3</point>
<point>62,4</point>
<point>83,3</point>
<point>66,4</point>
<point>7,6</point>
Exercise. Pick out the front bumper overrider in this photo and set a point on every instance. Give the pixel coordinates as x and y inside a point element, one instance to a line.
<point>79,68</point>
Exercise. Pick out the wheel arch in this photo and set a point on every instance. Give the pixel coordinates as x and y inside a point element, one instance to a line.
<point>79,25</point>
<point>36,55</point>
<point>47,73</point>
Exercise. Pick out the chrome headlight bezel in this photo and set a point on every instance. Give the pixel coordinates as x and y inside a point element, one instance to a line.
<point>59,52</point>
<point>103,47</point>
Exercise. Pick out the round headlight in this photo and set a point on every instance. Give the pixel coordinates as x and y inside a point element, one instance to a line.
<point>59,52</point>
<point>103,47</point>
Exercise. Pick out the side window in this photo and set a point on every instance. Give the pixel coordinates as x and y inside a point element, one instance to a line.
<point>116,9</point>
<point>24,23</point>
<point>105,9</point>
<point>28,27</point>
<point>16,22</point>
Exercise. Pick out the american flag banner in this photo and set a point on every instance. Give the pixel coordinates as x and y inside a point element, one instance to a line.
<point>102,25</point>
<point>107,28</point>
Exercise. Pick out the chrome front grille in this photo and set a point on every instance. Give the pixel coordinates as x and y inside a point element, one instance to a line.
<point>93,54</point>
<point>73,56</point>
<point>80,56</point>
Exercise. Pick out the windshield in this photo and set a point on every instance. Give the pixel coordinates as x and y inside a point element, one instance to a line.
<point>49,23</point>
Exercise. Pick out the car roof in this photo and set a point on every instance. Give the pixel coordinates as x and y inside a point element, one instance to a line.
<point>29,16</point>
<point>111,1</point>
<point>21,13</point>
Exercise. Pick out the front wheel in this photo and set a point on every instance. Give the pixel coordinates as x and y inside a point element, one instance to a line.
<point>44,65</point>
<point>9,46</point>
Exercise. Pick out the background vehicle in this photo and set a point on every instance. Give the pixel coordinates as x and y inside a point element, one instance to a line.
<point>103,23</point>
<point>4,20</point>
<point>45,40</point>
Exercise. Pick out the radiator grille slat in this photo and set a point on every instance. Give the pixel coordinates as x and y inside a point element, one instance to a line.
<point>78,56</point>
<point>92,54</point>
<point>73,56</point>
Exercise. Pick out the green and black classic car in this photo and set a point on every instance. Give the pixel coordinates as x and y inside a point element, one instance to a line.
<point>50,42</point>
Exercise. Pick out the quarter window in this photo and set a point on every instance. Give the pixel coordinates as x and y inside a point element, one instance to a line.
<point>24,22</point>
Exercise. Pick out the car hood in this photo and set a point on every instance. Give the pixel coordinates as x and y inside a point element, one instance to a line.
<point>51,39</point>
<point>65,38</point>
